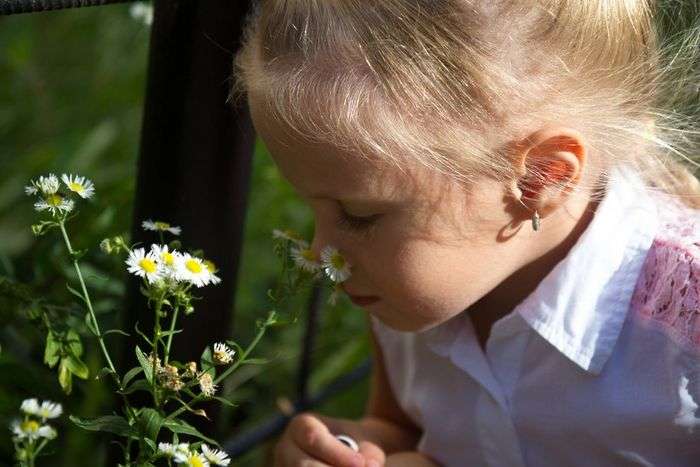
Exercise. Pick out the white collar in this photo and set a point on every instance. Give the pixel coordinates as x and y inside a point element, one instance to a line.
<point>581,305</point>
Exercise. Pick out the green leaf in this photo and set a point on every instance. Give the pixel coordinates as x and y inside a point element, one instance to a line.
<point>42,227</point>
<point>145,364</point>
<point>167,333</point>
<point>152,446</point>
<point>206,362</point>
<point>130,375</point>
<point>103,371</point>
<point>138,331</point>
<point>89,324</point>
<point>77,367</point>
<point>150,422</point>
<point>184,428</point>
<point>52,350</point>
<point>76,293</point>
<point>224,401</point>
<point>65,377</point>
<point>138,385</point>
<point>109,423</point>
<point>75,346</point>
<point>116,331</point>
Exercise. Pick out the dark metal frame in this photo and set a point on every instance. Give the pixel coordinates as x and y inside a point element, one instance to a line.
<point>185,113</point>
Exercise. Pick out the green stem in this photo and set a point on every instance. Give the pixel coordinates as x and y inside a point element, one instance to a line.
<point>89,303</point>
<point>156,341</point>
<point>30,454</point>
<point>40,447</point>
<point>170,336</point>
<point>127,452</point>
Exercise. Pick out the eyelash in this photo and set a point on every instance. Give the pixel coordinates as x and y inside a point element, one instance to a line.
<point>357,224</point>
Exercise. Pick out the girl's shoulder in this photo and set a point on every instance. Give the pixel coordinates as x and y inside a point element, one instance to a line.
<point>667,293</point>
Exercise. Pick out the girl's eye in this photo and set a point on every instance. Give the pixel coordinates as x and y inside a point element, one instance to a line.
<point>353,223</point>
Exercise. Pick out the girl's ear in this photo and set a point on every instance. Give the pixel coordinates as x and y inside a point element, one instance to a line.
<point>550,162</point>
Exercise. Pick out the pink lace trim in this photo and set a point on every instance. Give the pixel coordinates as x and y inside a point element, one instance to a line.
<point>668,290</point>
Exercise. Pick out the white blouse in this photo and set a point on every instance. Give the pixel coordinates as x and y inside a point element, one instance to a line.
<point>599,366</point>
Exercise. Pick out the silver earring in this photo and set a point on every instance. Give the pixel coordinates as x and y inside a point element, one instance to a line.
<point>535,221</point>
<point>535,217</point>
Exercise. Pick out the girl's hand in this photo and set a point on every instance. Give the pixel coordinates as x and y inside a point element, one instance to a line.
<point>409,459</point>
<point>309,440</point>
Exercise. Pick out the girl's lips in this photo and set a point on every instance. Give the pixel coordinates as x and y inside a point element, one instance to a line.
<point>363,301</point>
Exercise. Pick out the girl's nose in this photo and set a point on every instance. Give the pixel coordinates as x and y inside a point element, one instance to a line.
<point>318,243</point>
<point>323,237</point>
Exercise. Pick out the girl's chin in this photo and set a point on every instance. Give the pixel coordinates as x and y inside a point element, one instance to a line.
<point>401,324</point>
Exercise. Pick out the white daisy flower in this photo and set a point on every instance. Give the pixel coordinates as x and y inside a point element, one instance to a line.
<point>143,264</point>
<point>212,271</point>
<point>215,456</point>
<point>291,236</point>
<point>49,409</point>
<point>80,185</point>
<point>54,203</point>
<point>30,406</point>
<point>305,259</point>
<point>334,264</point>
<point>206,384</point>
<point>46,185</point>
<point>171,450</point>
<point>223,354</point>
<point>192,269</point>
<point>191,459</point>
<point>168,260</point>
<point>32,430</point>
<point>159,226</point>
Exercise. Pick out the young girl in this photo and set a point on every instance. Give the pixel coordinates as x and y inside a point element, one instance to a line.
<point>521,224</point>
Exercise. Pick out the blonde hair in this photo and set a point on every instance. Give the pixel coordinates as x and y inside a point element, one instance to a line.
<point>449,83</point>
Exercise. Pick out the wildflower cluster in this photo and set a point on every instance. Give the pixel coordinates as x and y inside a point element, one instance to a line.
<point>31,433</point>
<point>175,377</point>
<point>170,275</point>
<point>57,198</point>
<point>330,264</point>
<point>160,266</point>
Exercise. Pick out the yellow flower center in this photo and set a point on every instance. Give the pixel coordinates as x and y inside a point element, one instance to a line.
<point>193,266</point>
<point>30,426</point>
<point>210,266</point>
<point>167,258</point>
<point>162,225</point>
<point>148,265</point>
<point>337,261</point>
<point>195,461</point>
<point>308,255</point>
<point>77,187</point>
<point>54,200</point>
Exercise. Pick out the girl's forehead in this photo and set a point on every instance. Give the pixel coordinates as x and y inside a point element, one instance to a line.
<point>318,170</point>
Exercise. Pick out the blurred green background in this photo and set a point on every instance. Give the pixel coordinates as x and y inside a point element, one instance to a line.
<point>71,101</point>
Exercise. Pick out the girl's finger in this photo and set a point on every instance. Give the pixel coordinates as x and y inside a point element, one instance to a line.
<point>313,437</point>
<point>288,454</point>
<point>372,452</point>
